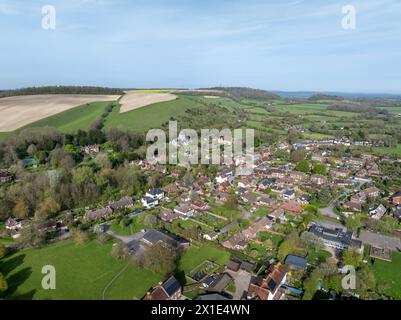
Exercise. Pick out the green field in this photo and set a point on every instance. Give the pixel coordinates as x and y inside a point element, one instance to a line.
<point>152,116</point>
<point>388,151</point>
<point>82,272</point>
<point>389,275</point>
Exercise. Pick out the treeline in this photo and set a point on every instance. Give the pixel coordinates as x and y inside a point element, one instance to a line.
<point>357,108</point>
<point>321,96</point>
<point>60,90</point>
<point>240,93</point>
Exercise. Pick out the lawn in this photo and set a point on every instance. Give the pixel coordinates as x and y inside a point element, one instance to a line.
<point>389,274</point>
<point>194,256</point>
<point>82,272</point>
<point>132,228</point>
<point>73,119</point>
<point>151,116</point>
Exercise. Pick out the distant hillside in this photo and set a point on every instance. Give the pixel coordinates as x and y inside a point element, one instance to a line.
<point>60,90</point>
<point>239,93</point>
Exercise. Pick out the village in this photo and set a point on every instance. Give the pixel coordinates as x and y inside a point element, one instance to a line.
<point>281,224</point>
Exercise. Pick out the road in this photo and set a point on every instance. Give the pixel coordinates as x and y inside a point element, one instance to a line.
<point>329,210</point>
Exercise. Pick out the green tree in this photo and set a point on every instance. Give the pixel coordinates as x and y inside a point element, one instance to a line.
<point>159,258</point>
<point>302,166</point>
<point>320,169</point>
<point>352,257</point>
<point>353,222</point>
<point>119,250</point>
<point>80,237</point>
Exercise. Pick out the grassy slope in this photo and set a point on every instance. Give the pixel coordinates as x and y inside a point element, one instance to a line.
<point>151,116</point>
<point>81,273</point>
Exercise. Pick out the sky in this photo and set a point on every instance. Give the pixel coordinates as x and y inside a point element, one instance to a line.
<point>290,45</point>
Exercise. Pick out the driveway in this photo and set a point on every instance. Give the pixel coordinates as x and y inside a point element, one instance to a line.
<point>126,239</point>
<point>241,280</point>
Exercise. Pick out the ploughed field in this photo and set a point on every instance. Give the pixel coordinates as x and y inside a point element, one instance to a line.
<point>19,111</point>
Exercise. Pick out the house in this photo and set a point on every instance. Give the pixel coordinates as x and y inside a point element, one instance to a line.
<point>236,242</point>
<point>249,198</point>
<point>153,236</point>
<point>261,224</point>
<point>6,177</point>
<point>289,194</point>
<point>305,199</point>
<point>371,192</point>
<point>265,184</point>
<point>168,215</point>
<point>91,149</point>
<point>293,261</point>
<point>220,283</point>
<point>278,214</point>
<point>378,213</point>
<point>123,203</point>
<point>292,208</point>
<point>319,179</point>
<point>97,214</point>
<point>298,176</point>
<point>149,203</point>
<point>339,173</point>
<point>184,210</point>
<point>265,201</point>
<point>396,198</point>
<point>155,193</point>
<point>171,188</point>
<point>268,287</point>
<point>233,265</point>
<point>199,205</point>
<point>318,157</point>
<point>356,206</point>
<point>14,224</point>
<point>168,290</point>
<point>336,238</point>
<point>211,236</point>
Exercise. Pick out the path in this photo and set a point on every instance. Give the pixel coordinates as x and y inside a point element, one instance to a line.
<point>112,280</point>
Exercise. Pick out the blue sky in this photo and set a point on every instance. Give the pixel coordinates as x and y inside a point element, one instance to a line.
<point>275,45</point>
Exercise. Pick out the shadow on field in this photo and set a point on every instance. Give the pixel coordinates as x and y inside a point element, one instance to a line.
<point>6,266</point>
<point>16,279</point>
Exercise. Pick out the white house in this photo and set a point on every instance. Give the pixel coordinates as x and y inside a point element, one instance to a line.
<point>184,210</point>
<point>378,213</point>
<point>155,194</point>
<point>148,202</point>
